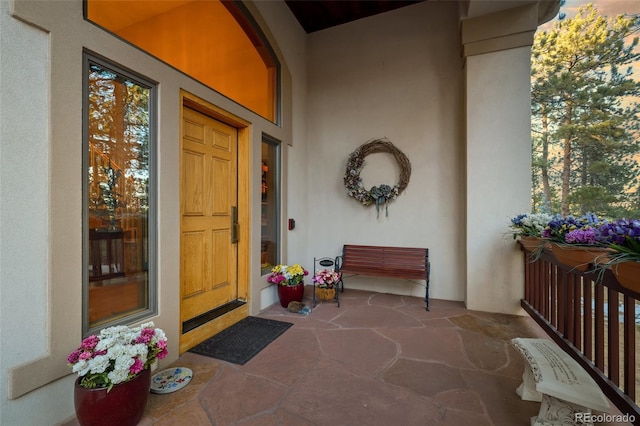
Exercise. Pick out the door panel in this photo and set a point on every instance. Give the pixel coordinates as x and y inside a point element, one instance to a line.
<point>208,191</point>
<point>193,164</point>
<point>193,264</point>
<point>222,202</point>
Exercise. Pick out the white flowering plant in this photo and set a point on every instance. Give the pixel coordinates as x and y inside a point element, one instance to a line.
<point>530,225</point>
<point>117,354</point>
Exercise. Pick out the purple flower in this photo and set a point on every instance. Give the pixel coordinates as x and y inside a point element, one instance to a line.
<point>582,236</point>
<point>162,345</point>
<point>74,357</point>
<point>623,233</point>
<point>517,221</point>
<point>90,342</point>
<point>145,336</point>
<point>562,229</point>
<point>85,355</point>
<point>136,367</point>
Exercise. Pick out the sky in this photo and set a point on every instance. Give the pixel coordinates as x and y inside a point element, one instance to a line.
<point>605,7</point>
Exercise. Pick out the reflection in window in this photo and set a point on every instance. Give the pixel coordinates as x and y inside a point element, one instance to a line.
<point>216,42</point>
<point>117,196</point>
<point>270,244</point>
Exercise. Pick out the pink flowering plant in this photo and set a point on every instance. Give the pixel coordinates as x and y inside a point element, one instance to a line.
<point>287,275</point>
<point>326,278</point>
<point>117,354</point>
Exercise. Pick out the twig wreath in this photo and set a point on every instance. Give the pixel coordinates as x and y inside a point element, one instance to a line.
<point>382,194</point>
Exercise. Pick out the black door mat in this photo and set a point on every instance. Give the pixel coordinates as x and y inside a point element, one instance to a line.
<point>243,340</point>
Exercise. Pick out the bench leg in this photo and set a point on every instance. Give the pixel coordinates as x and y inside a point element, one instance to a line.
<point>426,299</point>
<point>554,411</point>
<point>426,295</point>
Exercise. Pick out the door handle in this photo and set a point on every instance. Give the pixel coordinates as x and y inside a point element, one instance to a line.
<point>234,224</point>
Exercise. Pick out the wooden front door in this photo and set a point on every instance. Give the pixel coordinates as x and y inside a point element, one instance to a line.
<point>208,193</point>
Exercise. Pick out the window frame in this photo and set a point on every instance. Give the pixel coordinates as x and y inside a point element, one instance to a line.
<point>271,141</point>
<point>89,58</point>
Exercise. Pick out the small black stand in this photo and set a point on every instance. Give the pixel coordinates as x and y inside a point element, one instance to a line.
<point>331,264</point>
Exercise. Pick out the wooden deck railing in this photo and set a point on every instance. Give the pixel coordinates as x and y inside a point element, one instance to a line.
<point>574,308</point>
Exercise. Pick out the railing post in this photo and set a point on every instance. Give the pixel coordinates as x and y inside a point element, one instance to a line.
<point>553,290</point>
<point>613,345</point>
<point>599,328</point>
<point>569,305</point>
<point>588,320</point>
<point>630,347</point>
<point>577,312</point>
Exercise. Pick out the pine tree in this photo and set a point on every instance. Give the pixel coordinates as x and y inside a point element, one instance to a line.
<point>585,115</point>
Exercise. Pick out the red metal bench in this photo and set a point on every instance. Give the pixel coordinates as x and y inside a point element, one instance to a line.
<point>393,262</point>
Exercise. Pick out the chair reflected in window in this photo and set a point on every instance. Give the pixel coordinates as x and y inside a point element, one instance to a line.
<point>106,254</point>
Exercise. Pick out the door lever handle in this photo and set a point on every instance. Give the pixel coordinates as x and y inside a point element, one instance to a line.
<point>234,224</point>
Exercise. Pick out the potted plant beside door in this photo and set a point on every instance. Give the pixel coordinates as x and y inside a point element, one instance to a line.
<point>290,282</point>
<point>114,374</point>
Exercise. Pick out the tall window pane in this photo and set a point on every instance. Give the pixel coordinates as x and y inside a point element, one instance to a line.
<point>270,245</point>
<point>117,195</point>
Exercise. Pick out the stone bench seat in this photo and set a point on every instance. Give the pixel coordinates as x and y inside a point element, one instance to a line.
<point>567,392</point>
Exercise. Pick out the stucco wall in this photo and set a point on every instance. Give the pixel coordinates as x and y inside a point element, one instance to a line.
<point>40,186</point>
<point>292,42</point>
<point>24,217</point>
<point>396,75</point>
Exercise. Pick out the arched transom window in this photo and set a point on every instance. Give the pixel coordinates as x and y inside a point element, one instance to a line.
<point>215,42</point>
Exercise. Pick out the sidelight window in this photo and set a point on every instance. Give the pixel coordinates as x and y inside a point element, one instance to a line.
<point>119,206</point>
<point>270,205</point>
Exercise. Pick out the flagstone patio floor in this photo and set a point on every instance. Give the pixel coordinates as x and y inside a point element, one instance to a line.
<point>377,360</point>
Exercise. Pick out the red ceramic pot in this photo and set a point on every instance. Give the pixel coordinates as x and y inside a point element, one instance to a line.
<point>288,294</point>
<point>123,405</point>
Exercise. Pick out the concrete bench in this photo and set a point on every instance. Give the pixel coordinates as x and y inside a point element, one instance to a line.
<point>567,392</point>
<point>393,262</point>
